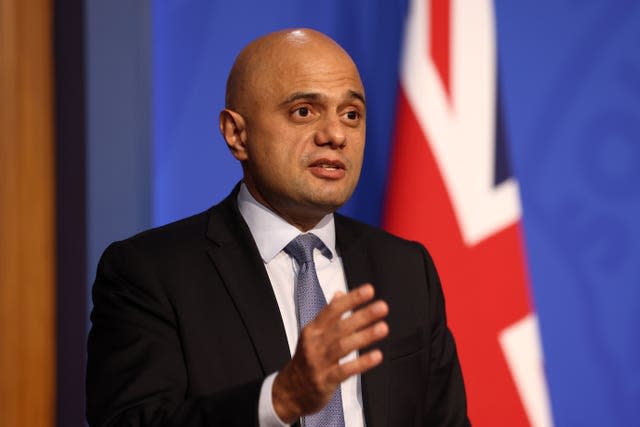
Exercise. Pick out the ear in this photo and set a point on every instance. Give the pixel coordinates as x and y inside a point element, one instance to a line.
<point>233,130</point>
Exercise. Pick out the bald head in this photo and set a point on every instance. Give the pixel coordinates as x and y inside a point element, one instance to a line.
<point>267,59</point>
<point>295,118</point>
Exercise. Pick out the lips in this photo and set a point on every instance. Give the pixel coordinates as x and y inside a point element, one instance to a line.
<point>328,168</point>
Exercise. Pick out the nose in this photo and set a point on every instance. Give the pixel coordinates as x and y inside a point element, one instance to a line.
<point>331,132</point>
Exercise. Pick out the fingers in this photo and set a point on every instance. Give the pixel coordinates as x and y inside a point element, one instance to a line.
<point>362,328</point>
<point>341,303</point>
<point>361,364</point>
<point>358,340</point>
<point>308,381</point>
<point>364,316</point>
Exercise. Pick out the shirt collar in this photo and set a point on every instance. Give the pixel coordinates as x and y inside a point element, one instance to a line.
<point>272,233</point>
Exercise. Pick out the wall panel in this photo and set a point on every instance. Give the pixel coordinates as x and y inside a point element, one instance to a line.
<point>27,349</point>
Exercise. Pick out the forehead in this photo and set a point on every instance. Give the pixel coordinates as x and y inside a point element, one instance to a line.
<point>326,70</point>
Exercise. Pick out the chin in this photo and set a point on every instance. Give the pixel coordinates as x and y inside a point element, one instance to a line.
<point>329,204</point>
<point>324,198</point>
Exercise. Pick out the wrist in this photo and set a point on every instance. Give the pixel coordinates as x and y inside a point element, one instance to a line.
<point>284,402</point>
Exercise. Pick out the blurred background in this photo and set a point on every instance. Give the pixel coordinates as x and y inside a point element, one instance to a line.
<point>503,135</point>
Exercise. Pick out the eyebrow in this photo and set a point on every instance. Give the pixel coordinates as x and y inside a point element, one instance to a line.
<point>301,95</point>
<point>313,96</point>
<point>358,95</point>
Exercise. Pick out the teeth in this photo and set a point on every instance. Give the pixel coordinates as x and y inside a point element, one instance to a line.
<point>330,167</point>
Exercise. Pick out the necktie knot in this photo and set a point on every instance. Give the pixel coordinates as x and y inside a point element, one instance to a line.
<point>301,248</point>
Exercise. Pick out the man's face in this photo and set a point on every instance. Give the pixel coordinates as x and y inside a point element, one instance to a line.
<point>305,133</point>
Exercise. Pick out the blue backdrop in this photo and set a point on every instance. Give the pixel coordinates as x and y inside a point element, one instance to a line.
<point>570,76</point>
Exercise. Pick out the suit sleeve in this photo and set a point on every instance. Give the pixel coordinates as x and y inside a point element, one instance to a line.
<point>446,403</point>
<point>136,375</point>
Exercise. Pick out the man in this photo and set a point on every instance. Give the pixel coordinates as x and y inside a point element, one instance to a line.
<point>219,319</point>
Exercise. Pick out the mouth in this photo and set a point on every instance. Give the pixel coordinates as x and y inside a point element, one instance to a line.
<point>328,168</point>
<point>327,164</point>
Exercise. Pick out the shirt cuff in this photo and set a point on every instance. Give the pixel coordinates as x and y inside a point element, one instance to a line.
<point>267,416</point>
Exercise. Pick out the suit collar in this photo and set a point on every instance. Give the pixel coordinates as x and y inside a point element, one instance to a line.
<point>272,233</point>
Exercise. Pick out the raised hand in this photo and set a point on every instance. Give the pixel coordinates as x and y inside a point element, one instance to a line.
<point>308,381</point>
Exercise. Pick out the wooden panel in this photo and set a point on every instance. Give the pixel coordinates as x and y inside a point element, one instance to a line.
<point>27,289</point>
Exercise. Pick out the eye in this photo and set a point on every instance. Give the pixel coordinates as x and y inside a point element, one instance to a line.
<point>353,115</point>
<point>302,111</point>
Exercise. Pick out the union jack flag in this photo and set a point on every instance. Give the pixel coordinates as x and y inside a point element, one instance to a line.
<point>450,188</point>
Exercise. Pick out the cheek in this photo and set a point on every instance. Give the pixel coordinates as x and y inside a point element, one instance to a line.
<point>356,154</point>
<point>275,157</point>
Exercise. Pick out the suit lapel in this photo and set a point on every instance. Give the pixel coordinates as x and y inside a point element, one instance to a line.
<point>357,269</point>
<point>242,270</point>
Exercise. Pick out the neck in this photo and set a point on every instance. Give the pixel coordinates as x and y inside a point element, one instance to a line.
<point>302,219</point>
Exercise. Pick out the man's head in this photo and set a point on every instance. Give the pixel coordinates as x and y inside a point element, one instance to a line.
<point>295,118</point>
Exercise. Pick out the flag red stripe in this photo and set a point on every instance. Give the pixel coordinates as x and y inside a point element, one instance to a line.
<point>485,285</point>
<point>440,29</point>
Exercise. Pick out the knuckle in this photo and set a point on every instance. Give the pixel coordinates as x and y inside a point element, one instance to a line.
<point>308,333</point>
<point>307,351</point>
<point>343,370</point>
<point>317,382</point>
<point>340,347</point>
<point>335,302</point>
<point>341,328</point>
<point>366,316</point>
<point>372,333</point>
<point>304,334</point>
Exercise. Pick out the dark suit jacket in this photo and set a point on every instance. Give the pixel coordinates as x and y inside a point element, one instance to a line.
<point>185,327</point>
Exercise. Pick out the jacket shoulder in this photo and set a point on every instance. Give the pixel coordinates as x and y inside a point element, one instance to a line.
<point>374,235</point>
<point>175,233</point>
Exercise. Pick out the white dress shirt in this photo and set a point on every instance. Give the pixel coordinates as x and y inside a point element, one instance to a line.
<point>271,234</point>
